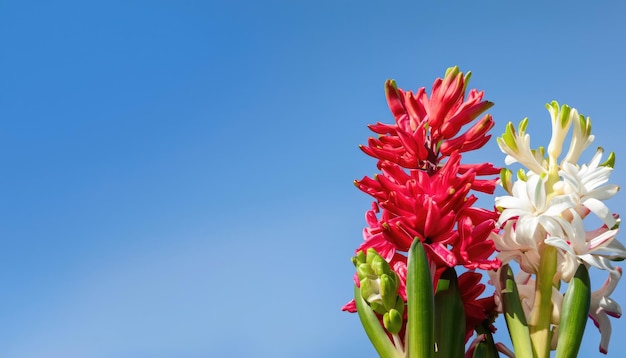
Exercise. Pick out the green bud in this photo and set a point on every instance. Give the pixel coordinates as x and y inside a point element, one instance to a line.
<point>393,321</point>
<point>378,307</point>
<point>388,290</point>
<point>365,271</point>
<point>370,290</point>
<point>370,255</point>
<point>360,257</point>
<point>379,265</point>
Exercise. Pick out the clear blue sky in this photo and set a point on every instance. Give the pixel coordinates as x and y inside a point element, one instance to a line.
<point>176,177</point>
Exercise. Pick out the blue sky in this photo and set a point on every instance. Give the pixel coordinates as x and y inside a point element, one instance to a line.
<point>177,175</point>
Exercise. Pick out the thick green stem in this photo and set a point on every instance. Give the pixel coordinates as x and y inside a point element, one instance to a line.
<point>541,315</point>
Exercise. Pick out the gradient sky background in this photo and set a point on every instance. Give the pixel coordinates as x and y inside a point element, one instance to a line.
<point>177,176</point>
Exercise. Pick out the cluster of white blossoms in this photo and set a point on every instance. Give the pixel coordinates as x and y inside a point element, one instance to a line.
<point>549,201</point>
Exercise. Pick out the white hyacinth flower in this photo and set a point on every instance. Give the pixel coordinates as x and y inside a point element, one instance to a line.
<point>527,217</point>
<point>596,248</point>
<point>548,203</point>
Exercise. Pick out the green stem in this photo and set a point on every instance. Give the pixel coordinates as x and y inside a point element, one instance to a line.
<point>542,309</point>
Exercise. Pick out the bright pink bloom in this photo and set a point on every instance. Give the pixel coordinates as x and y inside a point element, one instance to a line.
<point>424,192</point>
<point>429,207</point>
<point>425,132</point>
<point>478,311</point>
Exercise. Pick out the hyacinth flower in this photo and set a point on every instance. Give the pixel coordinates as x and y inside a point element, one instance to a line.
<point>424,224</point>
<point>543,229</point>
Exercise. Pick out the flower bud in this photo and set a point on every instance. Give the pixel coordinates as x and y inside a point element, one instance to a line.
<point>365,271</point>
<point>393,321</point>
<point>388,290</point>
<point>370,291</point>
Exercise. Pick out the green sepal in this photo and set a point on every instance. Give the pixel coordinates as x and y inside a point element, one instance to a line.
<point>375,332</point>
<point>421,306</point>
<point>574,314</point>
<point>514,313</point>
<point>449,317</point>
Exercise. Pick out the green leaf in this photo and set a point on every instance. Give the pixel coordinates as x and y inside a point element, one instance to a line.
<point>514,314</point>
<point>449,317</point>
<point>373,329</point>
<point>486,348</point>
<point>574,314</point>
<point>421,306</point>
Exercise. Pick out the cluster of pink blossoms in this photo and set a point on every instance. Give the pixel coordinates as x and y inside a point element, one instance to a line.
<point>424,192</point>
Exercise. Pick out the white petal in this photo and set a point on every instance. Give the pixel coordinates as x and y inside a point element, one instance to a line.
<point>601,210</point>
<point>604,193</point>
<point>561,244</point>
